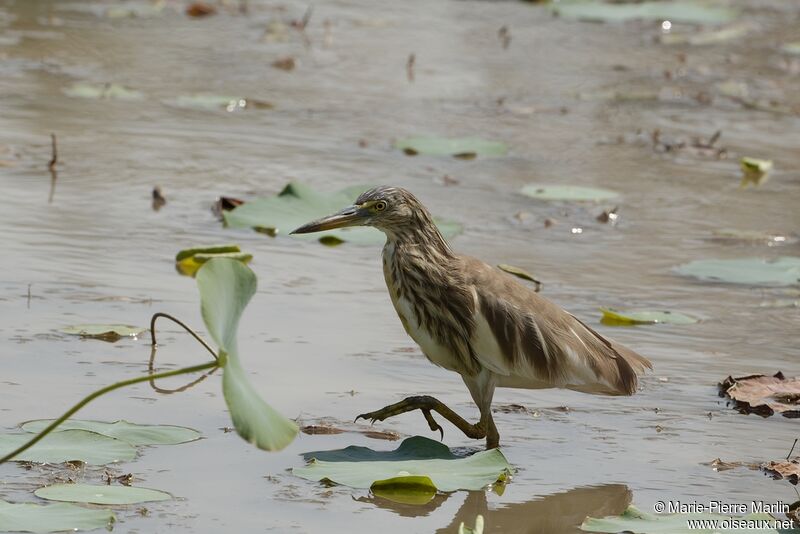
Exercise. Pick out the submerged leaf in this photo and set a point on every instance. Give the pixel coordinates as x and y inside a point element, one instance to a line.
<point>615,317</point>
<point>103,91</point>
<point>92,494</point>
<point>217,102</point>
<point>106,332</point>
<point>690,12</point>
<point>792,48</point>
<point>764,395</point>
<point>29,517</point>
<point>635,521</point>
<point>226,286</point>
<point>782,271</point>
<point>69,445</point>
<point>132,433</point>
<point>465,148</point>
<point>471,473</point>
<point>405,489</point>
<point>189,260</point>
<point>567,192</point>
<point>298,204</point>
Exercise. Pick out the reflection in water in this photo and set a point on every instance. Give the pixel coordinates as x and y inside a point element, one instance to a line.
<point>552,514</point>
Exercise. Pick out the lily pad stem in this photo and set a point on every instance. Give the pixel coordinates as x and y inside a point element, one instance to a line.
<point>183,325</point>
<point>86,400</point>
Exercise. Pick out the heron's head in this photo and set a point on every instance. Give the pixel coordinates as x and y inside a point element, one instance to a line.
<point>390,209</point>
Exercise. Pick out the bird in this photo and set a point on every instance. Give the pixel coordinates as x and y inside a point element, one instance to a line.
<point>477,320</point>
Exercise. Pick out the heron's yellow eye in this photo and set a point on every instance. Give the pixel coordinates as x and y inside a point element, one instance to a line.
<point>380,205</point>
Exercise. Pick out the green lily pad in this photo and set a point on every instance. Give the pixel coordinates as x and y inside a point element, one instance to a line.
<point>102,91</point>
<point>405,489</point>
<point>132,433</point>
<point>226,286</point>
<point>782,271</point>
<point>105,494</point>
<point>615,317</point>
<point>635,521</point>
<point>298,204</point>
<point>189,260</point>
<point>690,12</point>
<point>444,474</point>
<point>567,193</point>
<point>106,332</point>
<point>29,517</point>
<point>413,448</point>
<point>465,148</point>
<point>69,445</point>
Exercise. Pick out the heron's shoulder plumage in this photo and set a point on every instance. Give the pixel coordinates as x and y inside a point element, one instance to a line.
<point>531,342</point>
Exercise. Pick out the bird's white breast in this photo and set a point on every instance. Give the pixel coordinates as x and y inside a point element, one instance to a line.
<point>433,350</point>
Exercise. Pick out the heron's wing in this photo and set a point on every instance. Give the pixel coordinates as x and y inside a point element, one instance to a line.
<point>531,342</point>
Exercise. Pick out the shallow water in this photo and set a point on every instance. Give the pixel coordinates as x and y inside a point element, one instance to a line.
<point>321,338</point>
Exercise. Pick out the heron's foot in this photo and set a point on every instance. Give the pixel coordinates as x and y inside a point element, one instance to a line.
<point>426,404</point>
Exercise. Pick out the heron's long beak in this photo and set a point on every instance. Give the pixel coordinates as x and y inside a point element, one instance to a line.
<point>350,216</point>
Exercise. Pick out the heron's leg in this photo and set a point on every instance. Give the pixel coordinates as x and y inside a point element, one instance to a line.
<point>481,387</point>
<point>426,404</point>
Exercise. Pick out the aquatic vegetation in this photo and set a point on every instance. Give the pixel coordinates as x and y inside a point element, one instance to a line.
<point>462,148</point>
<point>29,517</point>
<point>689,12</point>
<point>105,494</point>
<point>616,317</point>
<point>106,332</point>
<point>781,271</point>
<point>189,260</point>
<point>412,473</point>
<point>69,445</point>
<point>132,433</point>
<point>567,193</point>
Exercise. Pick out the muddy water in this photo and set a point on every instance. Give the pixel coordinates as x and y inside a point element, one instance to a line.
<point>320,337</point>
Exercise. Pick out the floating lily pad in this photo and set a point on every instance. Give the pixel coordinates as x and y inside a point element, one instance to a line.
<point>298,204</point>
<point>782,271</point>
<point>226,286</point>
<point>466,148</point>
<point>413,448</point>
<point>764,395</point>
<point>615,317</point>
<point>419,475</point>
<point>217,102</point>
<point>754,171</point>
<point>567,193</point>
<point>69,445</point>
<point>189,260</point>
<point>707,37</point>
<point>29,517</point>
<point>690,12</point>
<point>92,494</point>
<point>106,332</point>
<point>635,521</point>
<point>102,91</point>
<point>132,433</point>
<point>731,235</point>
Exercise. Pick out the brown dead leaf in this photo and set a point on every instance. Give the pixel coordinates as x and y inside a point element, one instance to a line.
<point>718,464</point>
<point>376,434</point>
<point>284,63</point>
<point>763,395</point>
<point>225,204</point>
<point>314,430</point>
<point>200,9</point>
<point>783,470</point>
